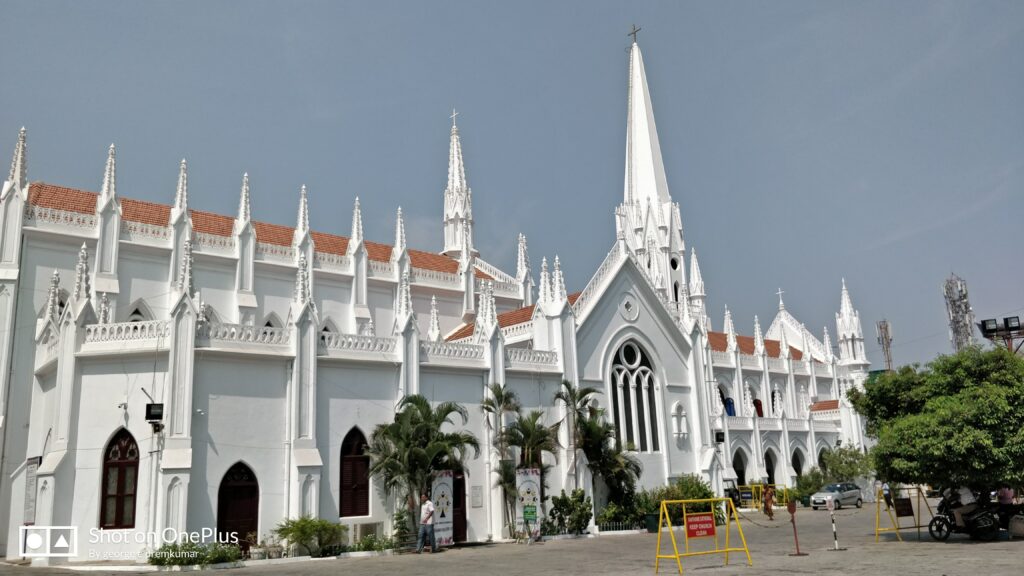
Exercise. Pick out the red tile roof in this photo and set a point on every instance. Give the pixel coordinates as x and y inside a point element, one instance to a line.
<point>84,202</point>
<point>825,405</point>
<point>506,319</point>
<point>720,343</point>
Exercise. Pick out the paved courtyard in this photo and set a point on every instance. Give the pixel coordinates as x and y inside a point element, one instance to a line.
<point>770,544</point>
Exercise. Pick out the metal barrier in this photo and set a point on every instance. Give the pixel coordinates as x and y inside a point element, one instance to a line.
<point>700,524</point>
<point>902,507</point>
<point>756,495</point>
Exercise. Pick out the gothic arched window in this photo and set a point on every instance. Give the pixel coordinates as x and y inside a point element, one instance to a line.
<point>355,475</point>
<point>633,399</point>
<point>120,474</point>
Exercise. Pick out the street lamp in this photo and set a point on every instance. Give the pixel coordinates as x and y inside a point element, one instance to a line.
<point>1008,331</point>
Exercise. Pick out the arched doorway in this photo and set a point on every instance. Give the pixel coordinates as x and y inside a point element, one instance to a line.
<point>238,505</point>
<point>739,465</point>
<point>355,475</point>
<point>798,463</point>
<point>821,460</point>
<point>769,465</point>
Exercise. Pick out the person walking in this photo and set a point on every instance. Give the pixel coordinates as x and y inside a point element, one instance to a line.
<point>769,501</point>
<point>887,494</point>
<point>426,525</point>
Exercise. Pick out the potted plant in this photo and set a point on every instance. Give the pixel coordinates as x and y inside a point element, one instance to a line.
<point>647,510</point>
<point>256,551</point>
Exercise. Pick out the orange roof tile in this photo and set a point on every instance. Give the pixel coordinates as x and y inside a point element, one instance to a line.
<point>720,343</point>
<point>824,405</point>
<point>464,331</point>
<point>506,319</point>
<point>210,223</point>
<point>84,202</point>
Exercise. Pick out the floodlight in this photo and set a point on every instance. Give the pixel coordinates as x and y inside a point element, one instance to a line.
<point>1012,322</point>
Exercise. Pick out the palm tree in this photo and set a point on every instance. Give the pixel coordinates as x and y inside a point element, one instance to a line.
<point>579,407</point>
<point>533,438</point>
<point>501,401</point>
<point>407,452</point>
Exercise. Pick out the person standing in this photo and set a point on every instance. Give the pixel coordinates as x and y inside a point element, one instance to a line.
<point>769,501</point>
<point>426,525</point>
<point>887,494</point>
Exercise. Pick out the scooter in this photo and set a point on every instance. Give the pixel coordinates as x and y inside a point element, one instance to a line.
<point>980,523</point>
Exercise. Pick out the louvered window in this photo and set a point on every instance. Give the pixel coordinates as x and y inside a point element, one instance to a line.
<point>355,475</point>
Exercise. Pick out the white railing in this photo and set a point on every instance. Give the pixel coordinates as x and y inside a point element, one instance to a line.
<point>797,425</point>
<point>357,343</point>
<point>800,368</point>
<point>820,426</point>
<point>770,424</point>
<point>517,330</point>
<point>825,415</point>
<point>506,288</point>
<point>494,272</point>
<point>244,333</point>
<point>275,252</point>
<point>62,217</point>
<point>721,357</point>
<point>141,230</point>
<point>451,350</point>
<point>326,260</point>
<point>740,422</point>
<point>750,361</point>
<point>777,364</point>
<point>528,356</point>
<point>424,276</point>
<point>213,241</point>
<point>614,256</point>
<point>821,369</point>
<point>124,331</point>
<point>380,269</point>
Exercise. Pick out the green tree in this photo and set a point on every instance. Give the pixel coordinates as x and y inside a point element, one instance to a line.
<point>579,407</point>
<point>846,464</point>
<point>407,452</point>
<point>501,401</point>
<point>957,421</point>
<point>533,438</point>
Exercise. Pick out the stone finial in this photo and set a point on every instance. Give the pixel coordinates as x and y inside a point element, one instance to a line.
<point>82,288</point>
<point>19,163</point>
<point>748,402</point>
<point>109,188</point>
<point>776,401</point>
<point>302,221</point>
<point>783,343</point>
<point>434,333</point>
<point>758,338</point>
<point>302,288</point>
<point>828,347</point>
<point>696,280</point>
<point>545,295</point>
<point>181,196</point>
<point>558,283</point>
<point>244,210</point>
<point>53,297</point>
<point>403,306</point>
<point>522,259</point>
<point>104,315</point>
<point>357,224</point>
<point>730,330</point>
<point>400,245</point>
<point>185,275</point>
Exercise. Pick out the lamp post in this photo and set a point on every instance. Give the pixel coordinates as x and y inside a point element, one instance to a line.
<point>1008,331</point>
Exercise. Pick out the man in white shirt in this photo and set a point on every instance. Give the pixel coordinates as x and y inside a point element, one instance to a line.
<point>426,525</point>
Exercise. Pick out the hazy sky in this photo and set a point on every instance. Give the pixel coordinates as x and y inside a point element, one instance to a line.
<point>805,141</point>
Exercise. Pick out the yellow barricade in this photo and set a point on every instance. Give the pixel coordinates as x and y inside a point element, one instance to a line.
<point>756,500</point>
<point>701,524</point>
<point>903,500</point>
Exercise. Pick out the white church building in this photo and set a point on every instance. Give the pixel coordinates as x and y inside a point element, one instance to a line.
<point>275,350</point>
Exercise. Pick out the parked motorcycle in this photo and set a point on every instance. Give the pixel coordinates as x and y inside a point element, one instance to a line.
<point>980,523</point>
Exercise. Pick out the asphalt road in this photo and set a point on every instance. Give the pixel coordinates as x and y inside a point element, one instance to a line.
<point>770,544</point>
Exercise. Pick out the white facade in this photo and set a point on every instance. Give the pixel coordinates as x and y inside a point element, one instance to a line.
<point>267,345</point>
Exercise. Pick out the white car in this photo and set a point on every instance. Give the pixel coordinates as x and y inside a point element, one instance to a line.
<point>841,492</point>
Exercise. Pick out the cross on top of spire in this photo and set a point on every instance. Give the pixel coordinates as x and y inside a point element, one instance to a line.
<point>782,306</point>
<point>633,32</point>
<point>454,114</point>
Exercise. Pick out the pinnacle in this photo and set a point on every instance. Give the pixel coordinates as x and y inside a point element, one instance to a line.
<point>109,189</point>
<point>244,212</point>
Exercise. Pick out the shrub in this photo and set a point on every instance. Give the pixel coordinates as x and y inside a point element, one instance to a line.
<point>315,536</point>
<point>373,543</point>
<point>190,553</point>
<point>688,487</point>
<point>217,553</point>
<point>808,483</point>
<point>570,513</point>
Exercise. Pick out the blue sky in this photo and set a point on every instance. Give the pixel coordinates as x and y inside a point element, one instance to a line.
<point>804,141</point>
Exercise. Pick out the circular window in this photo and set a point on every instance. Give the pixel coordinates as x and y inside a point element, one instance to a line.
<point>630,355</point>
<point>628,308</point>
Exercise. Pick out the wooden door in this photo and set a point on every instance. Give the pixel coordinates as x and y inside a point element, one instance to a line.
<point>238,505</point>
<point>459,508</point>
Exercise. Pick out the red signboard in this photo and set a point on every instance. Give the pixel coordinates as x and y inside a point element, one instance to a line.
<point>700,525</point>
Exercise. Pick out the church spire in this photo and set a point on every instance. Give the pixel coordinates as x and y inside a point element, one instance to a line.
<point>458,200</point>
<point>849,331</point>
<point>181,196</point>
<point>545,283</point>
<point>758,338</point>
<point>730,331</point>
<point>645,172</point>
<point>302,221</point>
<point>399,233</point>
<point>522,259</point>
<point>109,189</point>
<point>558,283</point>
<point>19,163</point>
<point>696,280</point>
<point>244,211</point>
<point>357,224</point>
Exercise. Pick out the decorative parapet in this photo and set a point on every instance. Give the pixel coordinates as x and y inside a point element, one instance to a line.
<point>770,423</point>
<point>797,425</point>
<point>820,426</point>
<point>142,232</point>
<point>332,262</point>
<point>242,334</point>
<point>721,358</point>
<point>126,331</point>
<point>821,369</point>
<point>800,368</point>
<point>275,253</point>
<point>332,341</point>
<point>518,332</point>
<point>380,269</point>
<point>532,360</point>
<point>740,422</point>
<point>615,255</point>
<point>451,353</point>
<point>777,365</point>
<point>510,289</point>
<point>214,243</point>
<point>494,272</point>
<point>825,415</point>
<point>426,277</point>
<point>40,215</point>
<point>750,361</point>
